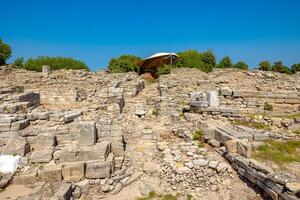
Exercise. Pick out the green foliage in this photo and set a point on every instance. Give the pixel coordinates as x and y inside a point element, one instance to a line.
<point>209,58</point>
<point>295,68</point>
<point>19,62</point>
<point>291,116</point>
<point>5,52</point>
<point>225,62</point>
<point>194,59</point>
<point>152,195</point>
<point>251,125</point>
<point>189,197</point>
<point>198,135</point>
<point>124,63</point>
<point>35,64</point>
<point>241,65</point>
<point>279,67</point>
<point>2,190</point>
<point>279,152</point>
<point>265,66</point>
<point>165,69</point>
<point>268,107</point>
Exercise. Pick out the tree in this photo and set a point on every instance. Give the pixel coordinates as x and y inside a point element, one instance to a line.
<point>208,57</point>
<point>241,65</point>
<point>295,68</point>
<point>225,62</point>
<point>5,52</point>
<point>265,66</point>
<point>124,63</point>
<point>35,64</point>
<point>279,67</point>
<point>19,62</point>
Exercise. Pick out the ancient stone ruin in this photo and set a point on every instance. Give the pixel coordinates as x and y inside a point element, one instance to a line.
<point>93,135</point>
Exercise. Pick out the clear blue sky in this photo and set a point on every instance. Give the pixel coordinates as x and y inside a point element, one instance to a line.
<point>95,31</point>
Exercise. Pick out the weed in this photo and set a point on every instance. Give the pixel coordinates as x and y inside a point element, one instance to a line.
<point>2,190</point>
<point>268,107</point>
<point>155,112</point>
<point>189,197</point>
<point>153,195</point>
<point>256,125</point>
<point>292,116</point>
<point>279,152</point>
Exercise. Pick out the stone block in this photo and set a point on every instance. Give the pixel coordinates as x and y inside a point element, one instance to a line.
<point>44,141</point>
<point>266,189</point>
<point>231,146</point>
<point>19,125</point>
<point>28,176</point>
<point>200,162</point>
<point>226,91</point>
<point>97,169</point>
<point>244,148</point>
<point>42,156</point>
<point>222,136</point>
<point>64,191</point>
<point>46,70</point>
<point>241,161</point>
<point>51,172</point>
<point>213,98</point>
<point>87,134</point>
<point>71,116</point>
<point>73,172</point>
<point>5,127</point>
<point>16,146</point>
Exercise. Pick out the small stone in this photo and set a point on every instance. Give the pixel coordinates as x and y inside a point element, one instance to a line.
<point>105,188</point>
<point>213,164</point>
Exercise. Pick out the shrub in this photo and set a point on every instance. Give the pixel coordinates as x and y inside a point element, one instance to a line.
<point>198,135</point>
<point>19,62</point>
<point>209,58</point>
<point>265,66</point>
<point>35,64</point>
<point>279,67</point>
<point>241,65</point>
<point>268,107</point>
<point>165,69</point>
<point>295,68</point>
<point>225,62</point>
<point>5,52</point>
<point>124,63</point>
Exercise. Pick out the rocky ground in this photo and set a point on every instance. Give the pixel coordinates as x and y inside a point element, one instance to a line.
<point>87,135</point>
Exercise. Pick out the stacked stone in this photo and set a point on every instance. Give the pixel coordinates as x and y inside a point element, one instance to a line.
<point>185,167</point>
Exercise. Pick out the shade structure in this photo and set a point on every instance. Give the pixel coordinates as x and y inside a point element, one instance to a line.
<point>157,60</point>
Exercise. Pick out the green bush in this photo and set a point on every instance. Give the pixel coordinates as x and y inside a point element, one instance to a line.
<point>194,59</point>
<point>165,69</point>
<point>5,52</point>
<point>19,62</point>
<point>265,66</point>
<point>225,62</point>
<point>279,67</point>
<point>124,63</point>
<point>241,65</point>
<point>35,64</point>
<point>268,107</point>
<point>295,68</point>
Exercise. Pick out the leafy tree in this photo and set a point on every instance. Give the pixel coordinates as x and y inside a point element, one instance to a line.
<point>279,67</point>
<point>265,66</point>
<point>241,65</point>
<point>5,52</point>
<point>19,62</point>
<point>124,63</point>
<point>55,63</point>
<point>208,57</point>
<point>189,59</point>
<point>225,62</point>
<point>295,68</point>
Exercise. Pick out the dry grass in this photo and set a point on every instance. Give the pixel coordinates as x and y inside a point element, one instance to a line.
<point>255,125</point>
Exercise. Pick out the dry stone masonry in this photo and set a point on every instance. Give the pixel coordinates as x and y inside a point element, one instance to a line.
<point>74,134</point>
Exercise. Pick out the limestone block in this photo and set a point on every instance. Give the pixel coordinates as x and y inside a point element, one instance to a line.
<point>87,133</point>
<point>42,156</point>
<point>213,98</point>
<point>44,141</point>
<point>97,169</point>
<point>19,125</point>
<point>46,70</point>
<point>231,146</point>
<point>73,172</point>
<point>71,116</point>
<point>51,172</point>
<point>5,127</point>
<point>64,191</point>
<point>244,148</point>
<point>28,176</point>
<point>16,145</point>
